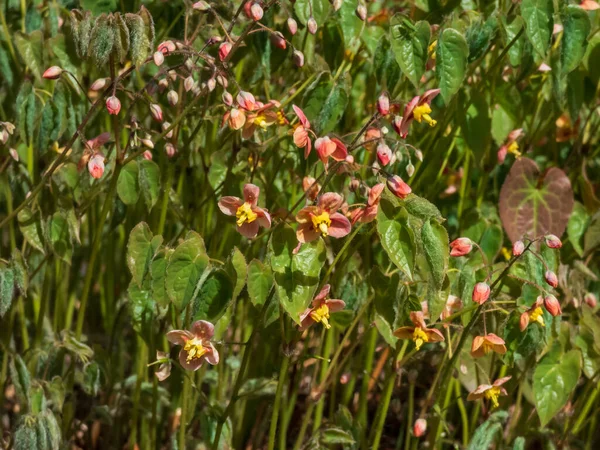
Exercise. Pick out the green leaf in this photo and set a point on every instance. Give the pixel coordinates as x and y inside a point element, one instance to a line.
<point>121,44</point>
<point>59,237</point>
<point>141,308</point>
<point>187,270</point>
<point>538,23</point>
<point>140,250</point>
<point>128,185</point>
<point>19,267</point>
<point>237,269</point>
<point>296,276</point>
<point>25,436</point>
<point>158,272</point>
<point>410,46</point>
<point>7,288</point>
<point>451,62</point>
<point>139,42</point>
<point>437,251</point>
<point>479,36</point>
<point>554,379</point>
<point>397,238</point>
<point>21,379</point>
<point>477,126</point>
<point>31,48</point>
<point>576,226</point>
<point>421,208</point>
<point>515,53</point>
<point>334,435</point>
<point>351,25</point>
<point>332,110</point>
<point>519,443</point>
<point>99,6</point>
<point>591,240</point>
<point>484,435</point>
<point>260,280</point>
<point>149,180</point>
<point>386,67</point>
<point>102,39</point>
<point>576,28</point>
<point>214,297</point>
<point>316,8</point>
<point>30,226</point>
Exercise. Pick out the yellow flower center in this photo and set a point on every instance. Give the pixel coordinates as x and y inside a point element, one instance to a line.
<point>514,149</point>
<point>493,394</point>
<point>194,348</point>
<point>487,347</point>
<point>280,118</point>
<point>321,223</point>
<point>537,316</point>
<point>506,253</point>
<point>245,214</point>
<point>419,337</point>
<point>321,314</point>
<point>431,49</point>
<point>261,121</point>
<point>422,113</point>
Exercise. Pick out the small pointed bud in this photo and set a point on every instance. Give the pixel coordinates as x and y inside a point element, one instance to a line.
<point>3,136</point>
<point>398,187</point>
<point>170,150</point>
<point>163,84</point>
<point>312,25</point>
<point>410,169</point>
<point>397,123</point>
<point>420,427</point>
<point>156,112</point>
<point>99,84</point>
<point>147,155</point>
<point>201,6</point>
<point>96,166</point>
<point>292,26</point>
<point>384,153</point>
<point>222,81</point>
<point>590,300</point>
<point>278,40</point>
<point>113,105</point>
<point>256,12</point>
<point>165,127</point>
<point>361,12</point>
<point>518,248</point>
<point>298,58</point>
<point>211,84</point>
<point>419,154</point>
<point>461,247</point>
<point>354,185</point>
<point>188,83</point>
<point>172,98</point>
<point>553,241</point>
<point>551,278</point>
<point>383,104</point>
<point>147,141</point>
<point>349,159</point>
<point>52,73</point>
<point>224,50</point>
<point>159,58</point>
<point>524,321</point>
<point>336,4</point>
<point>227,98</point>
<point>481,292</point>
<point>13,154</point>
<point>552,305</point>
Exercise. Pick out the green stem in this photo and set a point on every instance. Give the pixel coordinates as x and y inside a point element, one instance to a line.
<point>463,414</point>
<point>185,393</point>
<point>585,410</point>
<point>411,413</point>
<point>283,373</point>
<point>327,345</point>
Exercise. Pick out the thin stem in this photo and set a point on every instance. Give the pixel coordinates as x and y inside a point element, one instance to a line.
<point>283,373</point>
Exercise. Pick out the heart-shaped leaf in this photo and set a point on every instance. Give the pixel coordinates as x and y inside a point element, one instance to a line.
<point>452,53</point>
<point>397,238</point>
<point>576,23</point>
<point>538,23</point>
<point>535,204</point>
<point>409,44</point>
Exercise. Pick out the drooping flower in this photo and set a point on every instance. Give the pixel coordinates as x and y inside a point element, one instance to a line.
<point>418,109</point>
<point>327,147</point>
<point>322,219</point>
<point>113,105</point>
<point>482,345</point>
<point>490,392</point>
<point>518,248</point>
<point>368,213</point>
<point>481,292</point>
<point>322,307</point>
<point>419,333</point>
<point>96,165</point>
<point>164,368</point>
<point>533,314</point>
<point>166,47</point>
<point>246,100</point>
<point>553,241</point>
<point>510,145</point>
<point>262,118</point>
<point>398,187</point>
<point>453,304</point>
<point>384,153</point>
<point>461,247</point>
<point>301,137</point>
<point>249,216</point>
<point>196,344</point>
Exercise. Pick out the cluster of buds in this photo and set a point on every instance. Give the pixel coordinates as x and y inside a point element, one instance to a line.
<point>536,314</point>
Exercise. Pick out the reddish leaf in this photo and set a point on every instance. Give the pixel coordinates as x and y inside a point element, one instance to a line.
<point>535,204</point>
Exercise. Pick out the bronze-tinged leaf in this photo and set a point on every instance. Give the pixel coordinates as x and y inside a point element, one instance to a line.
<point>534,204</point>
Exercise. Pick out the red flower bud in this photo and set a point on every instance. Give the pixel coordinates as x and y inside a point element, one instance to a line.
<point>147,155</point>
<point>398,187</point>
<point>113,105</point>
<point>553,241</point>
<point>292,26</point>
<point>156,112</point>
<point>96,166</point>
<point>384,154</point>
<point>481,292</point>
<point>590,300</point>
<point>278,40</point>
<point>170,150</point>
<point>256,12</point>
<point>551,278</point>
<point>224,50</point>
<point>461,247</point>
<point>420,427</point>
<point>52,73</point>
<point>552,305</point>
<point>518,248</point>
<point>298,57</point>
<point>383,104</point>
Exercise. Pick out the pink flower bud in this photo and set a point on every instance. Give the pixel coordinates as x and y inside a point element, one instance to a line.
<point>224,50</point>
<point>201,6</point>
<point>312,25</point>
<point>227,98</point>
<point>298,58</point>
<point>553,241</point>
<point>461,247</point>
<point>222,81</point>
<point>99,84</point>
<point>4,136</point>
<point>156,112</point>
<point>589,5</point>
<point>166,47</point>
<point>346,376</point>
<point>278,40</point>
<point>481,292</point>
<point>188,84</point>
<point>147,155</point>
<point>420,427</point>
<point>113,105</point>
<point>397,123</point>
<point>172,98</point>
<point>518,248</point>
<point>159,58</point>
<point>361,12</point>
<point>383,104</point>
<point>590,300</point>
<point>292,26</point>
<point>147,141</point>
<point>551,278</point>
<point>384,153</point>
<point>410,169</point>
<point>256,12</point>
<point>14,155</point>
<point>52,73</point>
<point>211,84</point>
<point>354,185</point>
<point>96,166</point>
<point>165,127</point>
<point>552,305</point>
<point>170,150</point>
<point>246,100</point>
<point>419,154</point>
<point>398,187</point>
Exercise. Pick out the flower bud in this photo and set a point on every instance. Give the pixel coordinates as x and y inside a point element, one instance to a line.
<point>354,185</point>
<point>410,169</point>
<point>165,127</point>
<point>553,241</point>
<point>201,6</point>
<point>384,153</point>
<point>298,58</point>
<point>170,150</point>
<point>383,104</point>
<point>227,98</point>
<point>481,292</point>
<point>278,40</point>
<point>420,427</point>
<point>551,278</point>
<point>246,100</point>
<point>166,47</point>
<point>3,136</point>
<point>156,112</point>
<point>224,50</point>
<point>518,248</point>
<point>312,25</point>
<point>113,105</point>
<point>398,187</point>
<point>96,166</point>
<point>524,321</point>
<point>13,154</point>
<point>147,141</point>
<point>211,84</point>
<point>336,4</point>
<point>52,73</point>
<point>159,58</point>
<point>147,155</point>
<point>99,84</point>
<point>222,81</point>
<point>461,247</point>
<point>397,123</point>
<point>236,119</point>
<point>590,300</point>
<point>172,98</point>
<point>292,26</point>
<point>256,12</point>
<point>552,305</point>
<point>361,12</point>
<point>188,83</point>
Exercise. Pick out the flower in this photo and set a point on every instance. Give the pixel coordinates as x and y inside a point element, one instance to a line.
<point>52,73</point>
<point>96,165</point>
<point>113,105</point>
<point>518,248</point>
<point>533,314</point>
<point>553,241</point>
<point>196,343</point>
<point>589,5</point>
<point>224,50</point>
<point>418,108</point>
<point>383,104</point>
<point>384,153</point>
<point>510,145</point>
<point>420,334</point>
<point>236,119</point>
<point>327,147</point>
<point>420,427</point>
<point>249,216</point>
<point>590,300</point>
<point>261,118</point>
<point>166,47</point>
<point>551,278</point>
<point>373,134</point>
<point>368,213</point>
<point>552,305</point>
<point>322,219</point>
<point>321,307</point>
<point>246,100</point>
<point>481,292</point>
<point>461,247</point>
<point>491,392</point>
<point>164,369</point>
<point>301,137</point>
<point>482,345</point>
<point>398,187</point>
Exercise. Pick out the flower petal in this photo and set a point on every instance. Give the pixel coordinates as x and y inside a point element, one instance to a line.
<point>264,218</point>
<point>340,152</point>
<point>501,381</point>
<point>194,364</point>
<point>335,305</point>
<point>340,225</point>
<point>331,201</point>
<point>416,317</point>
<point>251,193</point>
<point>323,294</point>
<point>306,233</point>
<point>229,205</point>
<point>203,329</point>
<point>212,357</point>
<point>429,95</point>
<point>249,230</point>
<point>303,120</point>
<point>404,332</point>
<point>493,339</point>
<point>375,194</point>
<point>179,337</point>
<point>434,335</point>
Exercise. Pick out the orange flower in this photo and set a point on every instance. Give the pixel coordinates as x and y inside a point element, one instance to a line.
<point>322,219</point>
<point>418,108</point>
<point>491,392</point>
<point>482,345</point>
<point>330,148</point>
<point>196,344</point>
<point>420,334</point>
<point>249,216</point>
<point>301,136</point>
<point>321,307</point>
<point>533,314</point>
<point>368,213</point>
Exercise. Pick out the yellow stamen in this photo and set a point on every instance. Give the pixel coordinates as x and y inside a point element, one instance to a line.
<point>487,347</point>
<point>493,394</point>
<point>537,316</point>
<point>245,214</point>
<point>514,149</point>
<point>506,253</point>
<point>421,113</point>
<point>194,348</point>
<point>280,118</point>
<point>321,314</point>
<point>419,337</point>
<point>321,223</point>
<point>432,48</point>
<point>261,121</point>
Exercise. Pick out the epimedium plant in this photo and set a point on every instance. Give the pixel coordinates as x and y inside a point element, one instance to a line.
<point>304,224</point>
